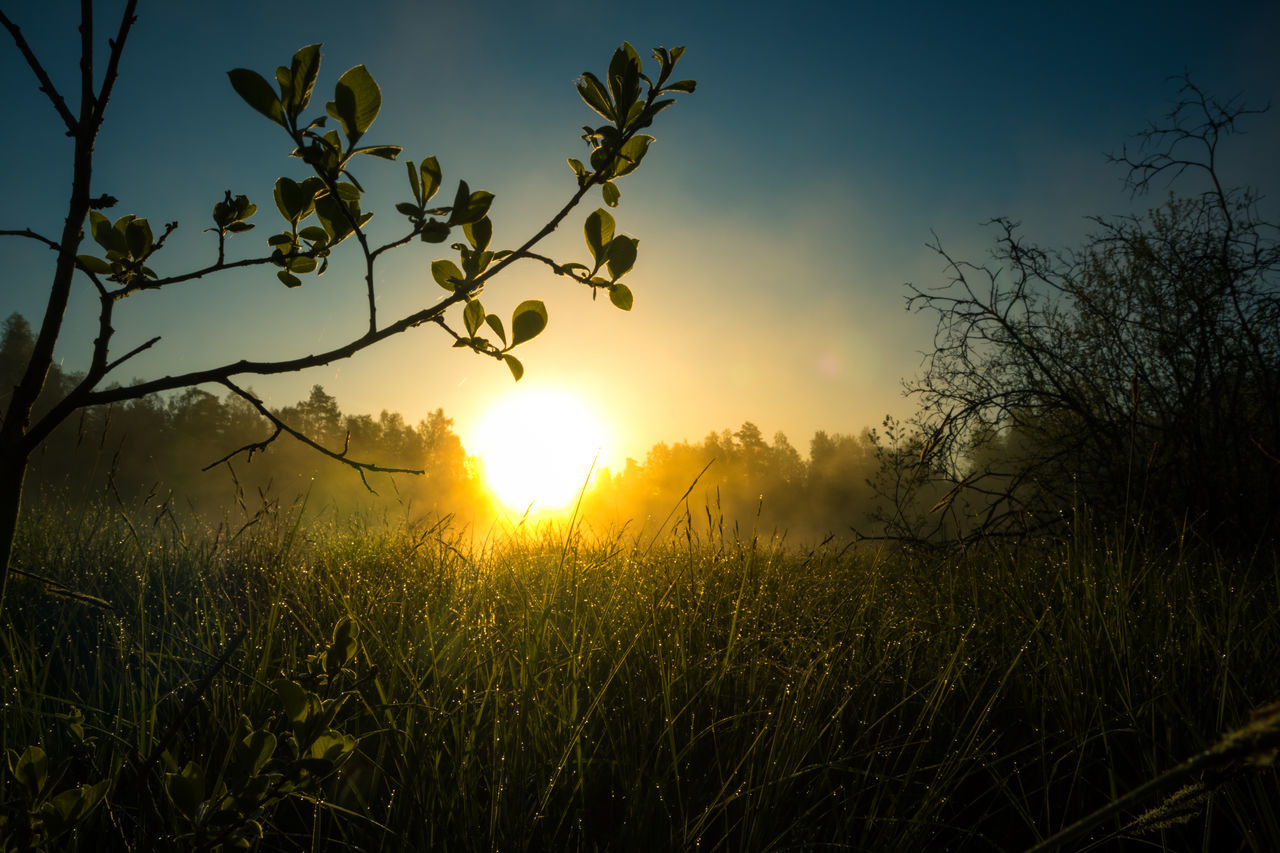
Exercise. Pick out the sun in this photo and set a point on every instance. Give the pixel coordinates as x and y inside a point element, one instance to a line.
<point>537,446</point>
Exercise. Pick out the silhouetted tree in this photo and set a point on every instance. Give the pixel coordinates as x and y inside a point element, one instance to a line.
<point>1138,376</point>
<point>121,264</point>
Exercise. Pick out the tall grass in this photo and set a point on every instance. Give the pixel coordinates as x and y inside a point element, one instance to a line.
<point>551,690</point>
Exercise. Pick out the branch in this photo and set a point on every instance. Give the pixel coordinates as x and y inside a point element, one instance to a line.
<point>113,60</point>
<point>46,85</point>
<point>28,233</point>
<point>281,426</point>
<point>219,266</point>
<point>40,238</point>
<point>130,354</point>
<point>248,449</point>
<point>558,269</point>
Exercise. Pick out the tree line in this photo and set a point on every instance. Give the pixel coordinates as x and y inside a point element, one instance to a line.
<point>178,453</point>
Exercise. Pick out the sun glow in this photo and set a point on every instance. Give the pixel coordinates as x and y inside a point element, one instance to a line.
<point>537,446</point>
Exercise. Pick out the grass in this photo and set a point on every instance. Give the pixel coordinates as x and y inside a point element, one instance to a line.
<point>557,691</point>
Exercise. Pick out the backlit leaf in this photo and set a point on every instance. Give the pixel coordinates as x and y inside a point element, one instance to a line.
<point>92,264</point>
<point>446,274</point>
<point>620,295</point>
<point>622,256</point>
<point>595,95</point>
<point>528,321</point>
<point>495,323</point>
<point>479,233</point>
<point>357,100</point>
<point>257,93</point>
<point>473,317</point>
<point>303,70</point>
<point>599,231</point>
<point>514,365</point>
<point>139,237</point>
<point>609,192</point>
<point>431,177</point>
<point>631,154</point>
<point>386,152</point>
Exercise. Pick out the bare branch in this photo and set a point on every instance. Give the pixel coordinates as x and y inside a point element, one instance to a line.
<point>131,353</point>
<point>249,449</point>
<point>361,467</point>
<point>46,85</point>
<point>113,60</point>
<point>28,233</point>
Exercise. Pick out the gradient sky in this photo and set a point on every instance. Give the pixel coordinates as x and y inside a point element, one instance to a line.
<point>779,213</point>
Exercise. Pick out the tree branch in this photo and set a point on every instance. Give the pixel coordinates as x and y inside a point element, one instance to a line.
<point>46,85</point>
<point>113,60</point>
<point>281,426</point>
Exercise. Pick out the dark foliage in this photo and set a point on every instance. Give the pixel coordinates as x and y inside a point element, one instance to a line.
<point>1136,377</point>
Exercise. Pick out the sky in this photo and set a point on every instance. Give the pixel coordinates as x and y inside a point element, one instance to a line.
<point>780,213</point>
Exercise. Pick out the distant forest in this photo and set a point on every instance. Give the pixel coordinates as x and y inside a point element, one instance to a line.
<point>150,455</point>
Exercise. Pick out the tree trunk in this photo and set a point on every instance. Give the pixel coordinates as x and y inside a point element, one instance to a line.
<point>13,469</point>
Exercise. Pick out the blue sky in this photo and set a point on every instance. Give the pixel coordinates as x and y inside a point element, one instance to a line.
<point>779,214</point>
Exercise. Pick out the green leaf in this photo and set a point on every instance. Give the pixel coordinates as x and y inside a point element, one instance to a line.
<point>347,191</point>
<point>314,234</point>
<point>682,86</point>
<point>253,752</point>
<point>240,227</point>
<point>599,231</point>
<point>344,639</point>
<point>528,321</point>
<point>31,769</point>
<point>622,255</point>
<point>594,94</point>
<point>479,233</point>
<point>609,192</point>
<point>103,234</point>
<point>257,93</point>
<point>413,182</point>
<point>473,316</point>
<point>578,169</point>
<point>186,789</point>
<point>94,265</point>
<point>495,323</point>
<point>139,237</point>
<point>331,746</point>
<point>620,295</point>
<point>624,78</point>
<point>386,152</point>
<point>289,279</point>
<point>294,700</point>
<point>469,206</point>
<point>446,274</point>
<point>514,365</point>
<point>435,231</point>
<point>631,154</point>
<point>408,209</point>
<point>431,177</point>
<point>292,200</point>
<point>356,102</point>
<point>302,264</point>
<point>333,216</point>
<point>303,72</point>
<point>73,805</point>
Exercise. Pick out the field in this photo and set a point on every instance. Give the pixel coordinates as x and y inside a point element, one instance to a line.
<point>321,685</point>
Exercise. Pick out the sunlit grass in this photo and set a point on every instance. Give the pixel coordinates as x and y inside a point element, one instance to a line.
<point>554,690</point>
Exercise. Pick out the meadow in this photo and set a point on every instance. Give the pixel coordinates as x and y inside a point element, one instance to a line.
<point>309,684</point>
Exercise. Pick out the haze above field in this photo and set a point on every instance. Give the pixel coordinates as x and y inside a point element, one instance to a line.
<point>779,212</point>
